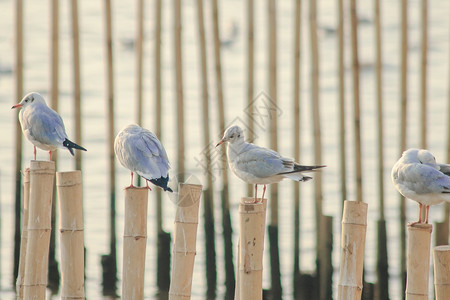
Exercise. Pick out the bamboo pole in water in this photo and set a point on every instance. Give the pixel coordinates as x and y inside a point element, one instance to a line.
<point>341,76</point>
<point>250,76</point>
<point>353,237</point>
<point>296,138</point>
<point>42,174</point>
<point>109,261</point>
<point>71,234</point>
<point>252,220</point>
<point>403,126</point>
<point>53,269</point>
<point>18,68</point>
<point>418,262</point>
<point>76,80</point>
<point>273,225</point>
<point>357,118</point>
<point>225,205</point>
<point>134,243</point>
<point>441,255</point>
<point>179,87</point>
<point>24,237</point>
<point>184,246</point>
<point>382,255</point>
<point>163,257</point>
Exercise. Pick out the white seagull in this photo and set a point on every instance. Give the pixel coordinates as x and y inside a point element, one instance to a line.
<point>258,165</point>
<point>140,151</point>
<point>417,176</point>
<point>43,126</point>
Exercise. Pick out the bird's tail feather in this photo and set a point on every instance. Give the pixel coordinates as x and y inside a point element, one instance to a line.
<point>297,177</point>
<point>300,168</point>
<point>71,145</point>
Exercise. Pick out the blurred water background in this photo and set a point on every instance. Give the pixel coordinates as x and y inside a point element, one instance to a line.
<point>232,15</point>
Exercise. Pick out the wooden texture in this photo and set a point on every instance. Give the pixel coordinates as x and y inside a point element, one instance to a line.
<point>185,236</point>
<point>24,236</point>
<point>441,256</point>
<point>134,243</point>
<point>354,224</point>
<point>252,221</point>
<point>418,261</point>
<point>69,186</point>
<point>42,174</point>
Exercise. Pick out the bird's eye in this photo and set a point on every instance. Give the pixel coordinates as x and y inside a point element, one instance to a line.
<point>239,135</point>
<point>231,136</point>
<point>26,100</point>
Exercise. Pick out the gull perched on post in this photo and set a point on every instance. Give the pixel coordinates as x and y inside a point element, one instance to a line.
<point>258,165</point>
<point>43,126</point>
<point>417,176</point>
<point>140,151</point>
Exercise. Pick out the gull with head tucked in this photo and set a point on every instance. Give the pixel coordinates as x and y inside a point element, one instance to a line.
<point>258,165</point>
<point>418,176</point>
<point>140,151</point>
<point>43,126</point>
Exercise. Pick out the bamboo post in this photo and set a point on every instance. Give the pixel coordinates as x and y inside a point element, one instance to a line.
<point>353,237</point>
<point>184,246</point>
<point>18,69</point>
<point>341,76</point>
<point>296,138</point>
<point>76,80</point>
<point>418,261</point>
<point>403,133</point>
<point>42,174</point>
<point>441,255</point>
<point>134,243</point>
<point>71,229</point>
<point>179,87</point>
<point>252,223</point>
<point>24,237</point>
<point>109,261</point>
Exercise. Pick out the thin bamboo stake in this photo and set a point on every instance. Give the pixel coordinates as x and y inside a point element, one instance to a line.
<point>296,138</point>
<point>341,76</point>
<point>109,261</point>
<point>139,59</point>
<point>76,80</point>
<point>42,174</point>
<point>179,87</point>
<point>24,238</point>
<point>185,235</point>
<point>134,243</point>
<point>403,126</point>
<point>356,108</point>
<point>418,262</point>
<point>18,68</point>
<point>423,76</point>
<point>252,221</point>
<point>250,75</point>
<point>71,229</point>
<point>441,255</point>
<point>354,224</point>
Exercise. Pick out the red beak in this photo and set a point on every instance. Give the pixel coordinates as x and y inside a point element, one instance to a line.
<point>220,143</point>
<point>16,106</point>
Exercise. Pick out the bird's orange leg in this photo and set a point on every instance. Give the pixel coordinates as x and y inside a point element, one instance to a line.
<point>34,152</point>
<point>148,187</point>
<point>50,155</point>
<point>420,216</point>
<point>264,191</point>
<point>256,193</point>
<point>131,185</point>
<point>426,216</point>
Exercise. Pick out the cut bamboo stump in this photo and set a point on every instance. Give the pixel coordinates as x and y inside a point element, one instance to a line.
<point>185,236</point>
<point>42,174</point>
<point>354,224</point>
<point>441,272</point>
<point>71,234</point>
<point>252,224</point>
<point>418,261</point>
<point>24,236</point>
<point>134,243</point>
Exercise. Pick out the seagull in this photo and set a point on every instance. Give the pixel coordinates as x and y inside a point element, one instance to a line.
<point>43,126</point>
<point>140,151</point>
<point>258,165</point>
<point>417,176</point>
